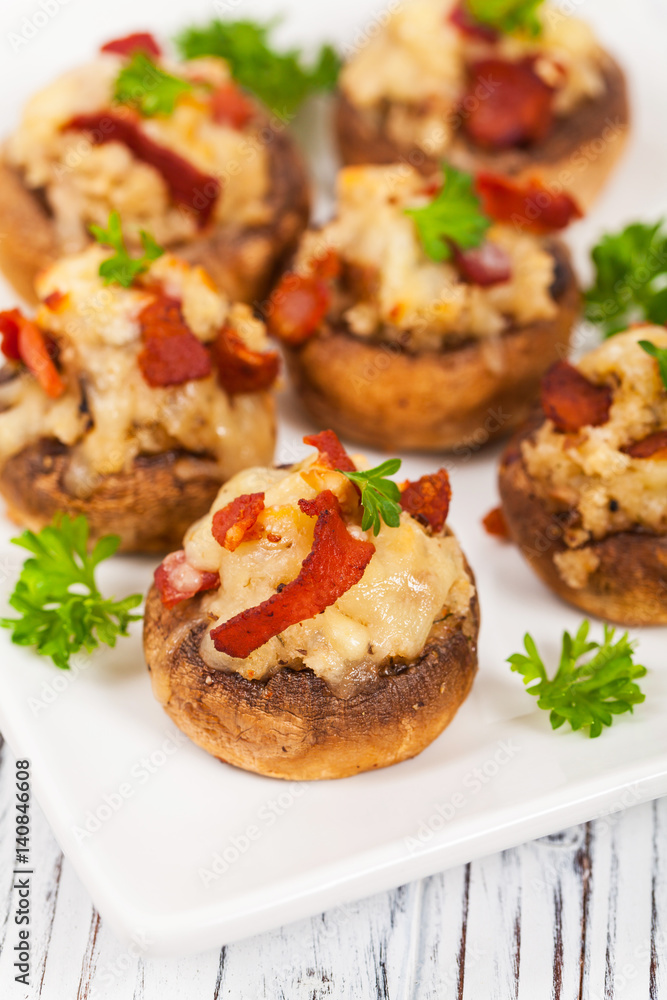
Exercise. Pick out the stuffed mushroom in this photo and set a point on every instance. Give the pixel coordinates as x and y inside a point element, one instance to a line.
<point>290,639</point>
<point>177,148</point>
<point>133,404</point>
<point>517,89</point>
<point>413,321</point>
<point>584,484</point>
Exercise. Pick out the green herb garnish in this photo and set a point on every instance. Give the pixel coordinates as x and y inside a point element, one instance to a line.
<point>279,79</point>
<point>146,87</point>
<point>61,608</point>
<point>454,216</point>
<point>380,497</point>
<point>122,269</point>
<point>590,694</point>
<point>630,278</point>
<point>508,16</point>
<point>660,354</point>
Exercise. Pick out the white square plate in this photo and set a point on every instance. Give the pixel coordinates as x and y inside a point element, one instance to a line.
<point>103,753</point>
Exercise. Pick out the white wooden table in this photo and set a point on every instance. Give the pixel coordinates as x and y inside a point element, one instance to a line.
<point>578,916</point>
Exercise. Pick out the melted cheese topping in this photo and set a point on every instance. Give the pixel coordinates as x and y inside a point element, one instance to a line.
<point>99,337</point>
<point>418,61</point>
<point>588,471</point>
<point>84,183</point>
<point>414,293</point>
<point>412,580</point>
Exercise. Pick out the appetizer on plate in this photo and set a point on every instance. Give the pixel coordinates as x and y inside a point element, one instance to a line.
<point>412,321</point>
<point>584,484</point>
<point>516,88</point>
<point>130,402</point>
<point>176,148</point>
<point>319,622</point>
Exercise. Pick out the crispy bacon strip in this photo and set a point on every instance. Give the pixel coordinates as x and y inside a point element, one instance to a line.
<point>496,525</point>
<point>140,41</point>
<point>176,580</point>
<point>187,185</point>
<point>530,204</point>
<point>331,451</point>
<point>241,369</point>
<point>571,401</point>
<point>335,563</point>
<point>298,306</point>
<point>507,104</point>
<point>486,265</point>
<point>171,354</point>
<point>10,321</point>
<point>653,446</point>
<point>22,340</point>
<point>467,25</point>
<point>230,106</point>
<point>428,499</point>
<point>232,524</point>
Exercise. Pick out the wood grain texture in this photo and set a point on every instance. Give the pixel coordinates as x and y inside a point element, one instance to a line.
<point>581,915</point>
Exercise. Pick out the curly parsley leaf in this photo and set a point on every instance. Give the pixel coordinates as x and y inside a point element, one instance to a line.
<point>62,611</point>
<point>380,497</point>
<point>122,269</point>
<point>279,79</point>
<point>454,216</point>
<point>587,695</point>
<point>660,354</point>
<point>630,278</point>
<point>144,86</point>
<point>508,16</point>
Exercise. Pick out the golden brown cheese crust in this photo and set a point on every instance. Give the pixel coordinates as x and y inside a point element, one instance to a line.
<point>621,578</point>
<point>381,396</point>
<point>243,261</point>
<point>293,726</point>
<point>583,146</point>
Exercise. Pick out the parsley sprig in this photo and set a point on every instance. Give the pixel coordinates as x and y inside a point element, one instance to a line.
<point>630,278</point>
<point>380,497</point>
<point>62,611</point>
<point>660,354</point>
<point>122,269</point>
<point>454,216</point>
<point>279,79</point>
<point>147,88</point>
<point>587,695</point>
<point>508,16</point>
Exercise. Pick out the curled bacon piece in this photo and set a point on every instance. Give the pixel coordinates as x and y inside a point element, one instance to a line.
<point>467,25</point>
<point>56,301</point>
<point>486,265</point>
<point>140,41</point>
<point>653,446</point>
<point>171,353</point>
<point>507,104</point>
<point>230,106</point>
<point>298,306</point>
<point>22,340</point>
<point>331,451</point>
<point>232,524</point>
<point>241,369</point>
<point>428,499</point>
<point>335,563</point>
<point>571,401</point>
<point>176,580</point>
<point>530,205</point>
<point>187,185</point>
<point>496,525</point>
